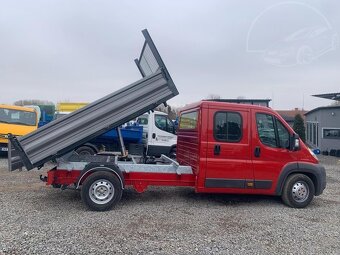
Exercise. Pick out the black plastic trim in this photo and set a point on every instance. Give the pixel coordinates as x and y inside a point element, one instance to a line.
<point>95,167</point>
<point>225,183</point>
<point>316,170</point>
<point>263,184</point>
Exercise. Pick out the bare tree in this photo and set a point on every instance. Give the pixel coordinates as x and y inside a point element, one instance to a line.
<point>213,96</point>
<point>32,102</point>
<point>170,110</point>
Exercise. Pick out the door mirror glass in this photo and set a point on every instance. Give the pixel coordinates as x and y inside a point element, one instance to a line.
<point>295,142</point>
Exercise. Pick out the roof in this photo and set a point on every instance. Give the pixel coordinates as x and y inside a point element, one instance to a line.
<point>323,108</point>
<point>332,96</point>
<point>206,103</point>
<point>15,107</point>
<point>233,100</point>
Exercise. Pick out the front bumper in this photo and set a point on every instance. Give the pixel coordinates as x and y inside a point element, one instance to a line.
<point>322,183</point>
<point>3,147</point>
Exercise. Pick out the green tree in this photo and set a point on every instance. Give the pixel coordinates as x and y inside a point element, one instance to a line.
<point>299,127</point>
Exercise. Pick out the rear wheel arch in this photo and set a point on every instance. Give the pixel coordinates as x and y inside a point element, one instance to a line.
<point>93,168</point>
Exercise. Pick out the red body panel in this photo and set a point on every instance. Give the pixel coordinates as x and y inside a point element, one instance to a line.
<point>245,166</point>
<point>140,181</point>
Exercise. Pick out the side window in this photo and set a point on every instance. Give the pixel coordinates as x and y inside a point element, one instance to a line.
<point>283,135</point>
<point>271,131</point>
<point>266,130</point>
<point>228,126</point>
<point>163,123</point>
<point>142,120</point>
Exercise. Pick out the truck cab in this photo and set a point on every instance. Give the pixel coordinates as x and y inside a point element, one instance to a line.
<point>16,120</point>
<point>237,148</point>
<point>159,134</point>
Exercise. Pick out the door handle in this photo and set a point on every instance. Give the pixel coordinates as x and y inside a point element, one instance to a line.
<point>217,149</point>
<point>257,151</point>
<point>153,135</point>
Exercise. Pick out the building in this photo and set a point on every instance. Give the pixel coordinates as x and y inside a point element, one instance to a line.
<point>289,115</point>
<point>323,128</point>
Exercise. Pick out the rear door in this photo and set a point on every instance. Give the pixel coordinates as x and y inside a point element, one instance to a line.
<point>270,150</point>
<point>229,163</point>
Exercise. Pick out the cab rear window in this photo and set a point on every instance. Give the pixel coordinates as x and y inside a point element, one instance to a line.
<point>188,120</point>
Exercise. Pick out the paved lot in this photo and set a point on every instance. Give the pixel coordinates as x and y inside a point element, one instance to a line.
<point>35,219</point>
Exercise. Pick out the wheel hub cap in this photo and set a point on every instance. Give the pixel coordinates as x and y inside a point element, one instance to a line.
<point>300,191</point>
<point>101,191</point>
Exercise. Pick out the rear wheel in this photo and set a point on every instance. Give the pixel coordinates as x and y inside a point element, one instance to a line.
<point>101,191</point>
<point>298,191</point>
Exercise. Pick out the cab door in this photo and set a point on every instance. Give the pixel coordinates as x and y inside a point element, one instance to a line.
<point>162,135</point>
<point>229,163</point>
<point>270,150</point>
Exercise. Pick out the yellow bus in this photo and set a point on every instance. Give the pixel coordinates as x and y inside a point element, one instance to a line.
<point>16,120</point>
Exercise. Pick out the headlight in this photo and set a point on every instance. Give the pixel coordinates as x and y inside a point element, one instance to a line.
<point>313,154</point>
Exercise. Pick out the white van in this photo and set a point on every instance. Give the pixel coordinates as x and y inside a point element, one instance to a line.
<point>159,134</point>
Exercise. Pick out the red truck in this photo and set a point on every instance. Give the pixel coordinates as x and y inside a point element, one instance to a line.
<point>222,148</point>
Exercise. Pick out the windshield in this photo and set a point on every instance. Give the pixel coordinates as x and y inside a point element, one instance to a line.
<point>18,117</point>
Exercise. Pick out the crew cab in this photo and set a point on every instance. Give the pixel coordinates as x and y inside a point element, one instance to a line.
<point>247,149</point>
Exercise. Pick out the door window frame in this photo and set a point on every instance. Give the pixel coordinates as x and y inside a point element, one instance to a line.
<point>276,131</point>
<point>166,123</point>
<point>241,127</point>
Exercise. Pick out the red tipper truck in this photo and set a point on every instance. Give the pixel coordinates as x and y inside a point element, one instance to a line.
<point>222,147</point>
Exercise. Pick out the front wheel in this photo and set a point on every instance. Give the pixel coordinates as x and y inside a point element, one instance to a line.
<point>298,191</point>
<point>172,153</point>
<point>101,191</point>
<point>85,151</point>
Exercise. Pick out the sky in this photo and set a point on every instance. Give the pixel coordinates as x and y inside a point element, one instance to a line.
<point>79,51</point>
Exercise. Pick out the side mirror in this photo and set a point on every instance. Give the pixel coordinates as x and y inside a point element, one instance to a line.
<point>294,142</point>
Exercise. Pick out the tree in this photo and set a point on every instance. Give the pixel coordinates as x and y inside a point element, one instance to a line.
<point>299,127</point>
<point>213,96</point>
<point>32,102</point>
<point>170,110</point>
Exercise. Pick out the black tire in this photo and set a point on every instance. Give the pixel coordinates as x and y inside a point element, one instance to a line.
<point>298,191</point>
<point>101,182</point>
<point>85,150</point>
<point>172,153</point>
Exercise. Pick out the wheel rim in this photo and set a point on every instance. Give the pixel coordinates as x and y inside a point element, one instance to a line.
<point>101,191</point>
<point>300,191</point>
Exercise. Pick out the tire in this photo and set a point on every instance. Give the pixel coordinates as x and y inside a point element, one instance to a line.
<point>85,150</point>
<point>172,153</point>
<point>101,191</point>
<point>298,191</point>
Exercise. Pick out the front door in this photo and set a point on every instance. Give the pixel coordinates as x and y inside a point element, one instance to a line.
<point>270,152</point>
<point>163,137</point>
<point>229,163</point>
